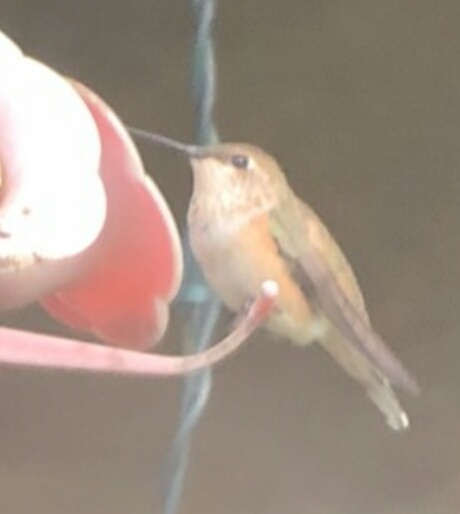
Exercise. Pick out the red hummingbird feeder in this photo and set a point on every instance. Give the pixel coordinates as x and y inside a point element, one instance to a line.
<point>85,231</point>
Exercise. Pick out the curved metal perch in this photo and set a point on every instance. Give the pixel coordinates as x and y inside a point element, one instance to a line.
<point>26,349</point>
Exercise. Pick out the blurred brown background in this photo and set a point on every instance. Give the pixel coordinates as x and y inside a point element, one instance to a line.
<point>360,100</point>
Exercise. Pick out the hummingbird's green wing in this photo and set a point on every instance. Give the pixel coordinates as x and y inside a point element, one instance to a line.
<point>328,280</point>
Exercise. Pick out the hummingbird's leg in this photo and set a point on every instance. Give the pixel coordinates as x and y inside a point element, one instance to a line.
<point>241,314</point>
<point>244,311</point>
<point>246,307</point>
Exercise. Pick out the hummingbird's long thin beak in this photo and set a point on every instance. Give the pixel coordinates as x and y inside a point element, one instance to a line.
<point>191,151</point>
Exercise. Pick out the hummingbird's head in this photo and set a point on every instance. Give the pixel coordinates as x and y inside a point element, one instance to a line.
<point>237,175</point>
<point>230,176</point>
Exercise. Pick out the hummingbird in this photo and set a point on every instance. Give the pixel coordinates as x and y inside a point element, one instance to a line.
<point>247,225</point>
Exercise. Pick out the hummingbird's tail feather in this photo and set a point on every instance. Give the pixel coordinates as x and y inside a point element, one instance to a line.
<point>377,386</point>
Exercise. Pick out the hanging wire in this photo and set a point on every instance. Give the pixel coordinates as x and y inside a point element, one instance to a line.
<point>201,304</point>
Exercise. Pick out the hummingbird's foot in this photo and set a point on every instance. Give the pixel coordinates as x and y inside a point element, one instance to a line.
<point>268,287</point>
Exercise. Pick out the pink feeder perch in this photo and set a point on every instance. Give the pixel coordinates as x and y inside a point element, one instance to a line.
<point>84,231</point>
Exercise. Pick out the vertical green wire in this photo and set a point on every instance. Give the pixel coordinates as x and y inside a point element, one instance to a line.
<point>201,304</point>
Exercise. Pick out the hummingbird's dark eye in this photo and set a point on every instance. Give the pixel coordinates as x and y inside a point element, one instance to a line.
<point>241,162</point>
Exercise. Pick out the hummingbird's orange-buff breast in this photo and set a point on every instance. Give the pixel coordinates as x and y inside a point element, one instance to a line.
<point>238,262</point>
